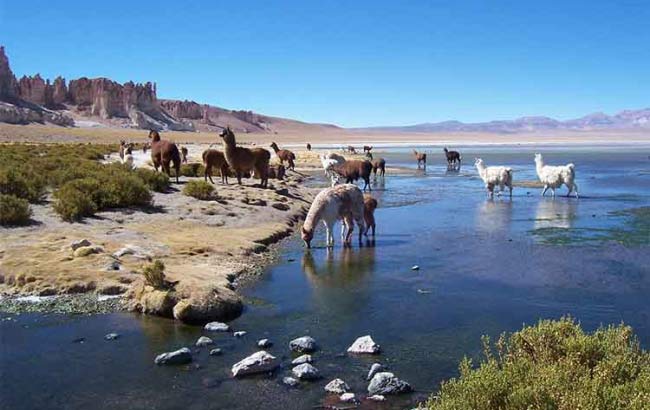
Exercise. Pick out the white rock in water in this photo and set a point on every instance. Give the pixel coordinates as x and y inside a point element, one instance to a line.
<point>180,356</point>
<point>259,362</point>
<point>374,369</point>
<point>337,386</point>
<point>203,341</point>
<point>348,398</point>
<point>364,344</point>
<point>79,243</point>
<point>264,343</point>
<point>241,333</point>
<point>216,327</point>
<point>305,358</point>
<point>306,371</point>
<point>112,336</point>
<point>386,383</point>
<point>415,267</point>
<point>215,352</point>
<point>303,344</point>
<point>290,381</point>
<point>377,397</point>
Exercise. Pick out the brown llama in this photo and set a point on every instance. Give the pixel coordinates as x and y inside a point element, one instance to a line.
<point>452,157</point>
<point>379,164</point>
<point>163,152</point>
<point>421,157</point>
<point>183,155</point>
<point>369,206</point>
<point>367,148</point>
<point>243,160</point>
<point>308,147</point>
<point>354,169</point>
<point>277,172</point>
<point>284,155</point>
<point>215,158</point>
<point>351,149</point>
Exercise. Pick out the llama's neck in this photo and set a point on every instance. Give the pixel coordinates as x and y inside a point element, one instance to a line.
<point>312,219</point>
<point>275,148</point>
<point>481,168</point>
<point>539,164</point>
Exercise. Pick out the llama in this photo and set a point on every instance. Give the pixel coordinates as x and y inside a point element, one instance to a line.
<point>351,149</point>
<point>492,176</point>
<point>122,148</point>
<point>369,206</point>
<point>342,202</point>
<point>308,147</point>
<point>379,164</point>
<point>421,157</point>
<point>163,152</point>
<point>284,155</point>
<point>128,156</point>
<point>353,170</point>
<point>452,157</point>
<point>184,155</point>
<point>277,172</point>
<point>555,176</point>
<point>367,148</point>
<point>242,160</point>
<point>215,158</point>
<point>328,161</point>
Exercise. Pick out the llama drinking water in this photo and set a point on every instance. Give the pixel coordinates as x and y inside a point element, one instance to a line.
<point>341,202</point>
<point>555,176</point>
<point>493,176</point>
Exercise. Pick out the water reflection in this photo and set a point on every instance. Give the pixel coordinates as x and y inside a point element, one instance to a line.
<point>555,213</point>
<point>494,215</point>
<point>348,268</point>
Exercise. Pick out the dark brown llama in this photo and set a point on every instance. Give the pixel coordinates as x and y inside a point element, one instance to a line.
<point>354,169</point>
<point>213,158</point>
<point>163,152</point>
<point>452,157</point>
<point>379,164</point>
<point>308,147</point>
<point>367,148</point>
<point>243,160</point>
<point>284,155</point>
<point>183,155</point>
<point>369,206</point>
<point>421,157</point>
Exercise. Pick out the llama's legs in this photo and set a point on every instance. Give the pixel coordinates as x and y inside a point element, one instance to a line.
<point>329,229</point>
<point>238,174</point>
<point>545,189</point>
<point>510,187</point>
<point>208,173</point>
<point>553,191</point>
<point>575,188</point>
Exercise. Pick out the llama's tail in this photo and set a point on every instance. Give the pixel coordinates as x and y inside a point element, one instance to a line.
<point>204,156</point>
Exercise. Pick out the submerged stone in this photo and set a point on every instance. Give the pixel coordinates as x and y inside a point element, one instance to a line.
<point>180,356</point>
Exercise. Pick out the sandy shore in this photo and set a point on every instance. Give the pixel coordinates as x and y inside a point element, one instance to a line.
<point>207,246</point>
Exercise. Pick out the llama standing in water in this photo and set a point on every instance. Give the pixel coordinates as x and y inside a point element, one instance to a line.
<point>421,158</point>
<point>555,176</point>
<point>493,176</point>
<point>342,202</point>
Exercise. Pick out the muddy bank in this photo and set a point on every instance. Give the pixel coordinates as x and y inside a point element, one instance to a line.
<point>207,248</point>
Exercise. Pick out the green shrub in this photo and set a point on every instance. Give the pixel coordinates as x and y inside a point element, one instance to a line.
<point>14,210</point>
<point>553,365</point>
<point>124,190</point>
<point>157,181</point>
<point>195,169</point>
<point>22,183</point>
<point>78,198</point>
<point>199,189</point>
<point>154,274</point>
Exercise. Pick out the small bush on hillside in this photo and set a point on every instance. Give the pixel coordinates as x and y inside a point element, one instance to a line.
<point>553,365</point>
<point>154,274</point>
<point>194,169</point>
<point>78,198</point>
<point>22,183</point>
<point>157,181</point>
<point>14,210</point>
<point>199,190</point>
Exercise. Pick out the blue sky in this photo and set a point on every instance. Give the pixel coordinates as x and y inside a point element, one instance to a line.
<point>352,63</point>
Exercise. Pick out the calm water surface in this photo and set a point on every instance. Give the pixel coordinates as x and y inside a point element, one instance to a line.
<point>486,266</point>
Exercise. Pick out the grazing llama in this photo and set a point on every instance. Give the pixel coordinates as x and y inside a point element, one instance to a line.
<point>284,155</point>
<point>369,206</point>
<point>213,158</point>
<point>452,157</point>
<point>555,176</point>
<point>242,160</point>
<point>493,176</point>
<point>342,202</point>
<point>163,152</point>
<point>421,157</point>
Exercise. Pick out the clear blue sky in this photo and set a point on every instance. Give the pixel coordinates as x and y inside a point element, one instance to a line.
<point>351,63</point>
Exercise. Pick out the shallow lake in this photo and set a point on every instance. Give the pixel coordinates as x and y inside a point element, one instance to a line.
<point>486,266</point>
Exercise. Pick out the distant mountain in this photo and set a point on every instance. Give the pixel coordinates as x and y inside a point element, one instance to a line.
<point>629,119</point>
<point>102,102</point>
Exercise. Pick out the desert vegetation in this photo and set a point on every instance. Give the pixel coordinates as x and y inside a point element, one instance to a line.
<point>80,183</point>
<point>13,210</point>
<point>553,365</point>
<point>199,189</point>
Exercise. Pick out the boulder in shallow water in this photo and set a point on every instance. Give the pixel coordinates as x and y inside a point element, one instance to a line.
<point>306,371</point>
<point>290,381</point>
<point>304,344</point>
<point>337,386</point>
<point>374,369</point>
<point>386,383</point>
<point>377,397</point>
<point>216,327</point>
<point>112,336</point>
<point>364,345</point>
<point>259,362</point>
<point>180,356</point>
<point>215,352</point>
<point>305,358</point>
<point>203,341</point>
<point>264,343</point>
<point>241,333</point>
<point>348,398</point>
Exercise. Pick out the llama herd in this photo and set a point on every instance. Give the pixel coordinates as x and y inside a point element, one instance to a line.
<point>343,200</point>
